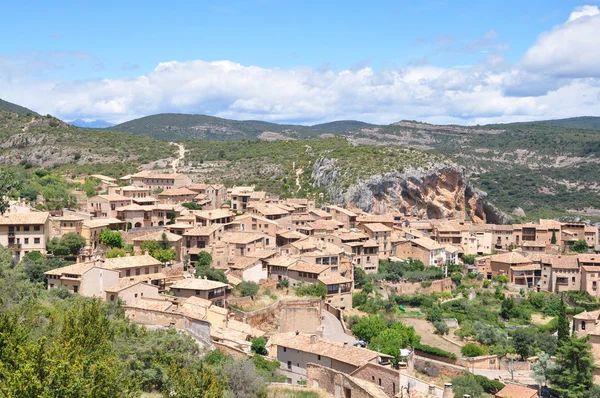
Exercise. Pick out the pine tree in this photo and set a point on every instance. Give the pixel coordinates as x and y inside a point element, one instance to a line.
<point>574,375</point>
<point>172,219</point>
<point>553,239</point>
<point>563,323</point>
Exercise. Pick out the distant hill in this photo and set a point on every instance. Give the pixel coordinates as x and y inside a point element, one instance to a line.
<point>582,122</point>
<point>94,124</point>
<point>176,126</point>
<point>14,108</point>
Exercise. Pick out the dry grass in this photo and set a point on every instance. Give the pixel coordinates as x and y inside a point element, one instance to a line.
<point>279,391</point>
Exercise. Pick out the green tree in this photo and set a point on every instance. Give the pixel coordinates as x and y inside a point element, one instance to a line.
<point>523,340</point>
<point>563,323</point>
<point>469,259</point>
<point>248,288</point>
<point>574,368</point>
<point>368,327</point>
<point>151,246</point>
<point>114,252</point>
<point>473,350</point>
<point>314,289</point>
<point>553,239</point>
<point>390,340</point>
<point>111,238</point>
<point>467,384</point>
<point>367,287</point>
<point>193,381</point>
<point>543,369</point>
<point>580,246</point>
<point>165,255</point>
<point>172,217</point>
<point>164,241</point>
<point>259,346</point>
<point>204,259</point>
<point>360,277</point>
<point>8,183</point>
<point>211,274</point>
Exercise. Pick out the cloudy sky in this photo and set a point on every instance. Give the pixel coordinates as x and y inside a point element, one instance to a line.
<point>438,61</point>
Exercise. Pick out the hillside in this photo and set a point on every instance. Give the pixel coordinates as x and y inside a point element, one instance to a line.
<point>14,108</point>
<point>45,141</point>
<point>583,122</point>
<point>545,168</point>
<point>94,124</point>
<point>175,126</point>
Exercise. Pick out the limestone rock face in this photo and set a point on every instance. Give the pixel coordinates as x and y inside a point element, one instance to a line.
<point>439,191</point>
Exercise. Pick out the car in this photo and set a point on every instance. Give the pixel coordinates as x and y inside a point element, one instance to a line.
<point>360,343</point>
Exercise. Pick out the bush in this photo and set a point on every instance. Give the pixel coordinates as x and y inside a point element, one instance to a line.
<point>473,350</point>
<point>490,386</point>
<point>427,368</point>
<point>441,327</point>
<point>248,288</point>
<point>469,259</point>
<point>358,299</point>
<point>115,252</point>
<point>456,278</point>
<point>486,283</point>
<point>434,314</point>
<point>315,290</point>
<point>111,238</point>
<point>427,349</point>
<point>259,346</point>
<point>283,283</point>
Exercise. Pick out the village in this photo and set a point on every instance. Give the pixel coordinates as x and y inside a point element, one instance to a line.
<point>231,266</point>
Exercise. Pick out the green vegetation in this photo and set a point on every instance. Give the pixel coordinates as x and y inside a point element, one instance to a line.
<point>573,377</point>
<point>67,245</point>
<point>259,346</point>
<point>272,165</point>
<point>474,385</point>
<point>315,290</point>
<point>211,274</point>
<point>580,246</point>
<point>473,350</point>
<point>248,288</point>
<point>111,238</point>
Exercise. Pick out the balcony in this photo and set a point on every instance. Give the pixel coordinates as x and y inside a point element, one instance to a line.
<point>14,246</point>
<point>213,295</point>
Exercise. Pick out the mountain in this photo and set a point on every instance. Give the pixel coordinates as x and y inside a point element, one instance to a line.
<point>582,122</point>
<point>14,108</point>
<point>44,141</point>
<point>176,126</point>
<point>94,124</point>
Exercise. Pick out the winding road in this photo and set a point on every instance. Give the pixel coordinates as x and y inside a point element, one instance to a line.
<point>332,329</point>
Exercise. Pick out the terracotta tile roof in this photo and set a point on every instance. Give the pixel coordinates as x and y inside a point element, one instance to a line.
<point>375,218</point>
<point>268,209</point>
<point>112,197</point>
<point>212,214</point>
<point>75,269</point>
<point>588,258</point>
<point>241,237</point>
<point>284,233</point>
<point>178,192</point>
<point>428,244</point>
<point>327,225</point>
<point>198,284</point>
<point>516,391</point>
<point>588,315</point>
<point>282,261</point>
<point>302,266</point>
<point>334,279</point>
<point>320,213</point>
<point>510,258</point>
<point>130,262</point>
<point>202,231</point>
<point>69,217</point>
<point>125,283</point>
<point>377,227</point>
<point>102,222</point>
<point>561,260</point>
<point>262,254</point>
<point>348,354</point>
<point>158,236</point>
<point>255,217</point>
<point>131,207</point>
<point>34,217</point>
<point>343,211</point>
<point>243,262</point>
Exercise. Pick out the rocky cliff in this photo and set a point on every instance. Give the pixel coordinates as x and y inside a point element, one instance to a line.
<point>437,191</point>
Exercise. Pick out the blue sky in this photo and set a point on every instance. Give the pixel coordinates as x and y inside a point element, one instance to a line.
<point>66,48</point>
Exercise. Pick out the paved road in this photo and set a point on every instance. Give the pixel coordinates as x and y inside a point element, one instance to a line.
<point>332,329</point>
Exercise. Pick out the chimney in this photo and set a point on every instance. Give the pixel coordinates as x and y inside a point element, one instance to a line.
<point>448,391</point>
<point>431,390</point>
<point>146,252</point>
<point>314,338</point>
<point>297,332</point>
<point>127,254</point>
<point>345,344</point>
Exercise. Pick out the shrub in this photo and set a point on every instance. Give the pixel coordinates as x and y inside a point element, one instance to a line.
<point>283,283</point>
<point>473,350</point>
<point>259,346</point>
<point>248,288</point>
<point>486,283</point>
<point>434,314</point>
<point>441,327</point>
<point>316,290</point>
<point>427,349</point>
<point>358,299</point>
<point>490,386</point>
<point>427,368</point>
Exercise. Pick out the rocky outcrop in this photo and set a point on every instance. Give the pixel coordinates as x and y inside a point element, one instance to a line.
<point>439,191</point>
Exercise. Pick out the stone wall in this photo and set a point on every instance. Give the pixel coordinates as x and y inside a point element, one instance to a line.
<point>447,370</point>
<point>338,384</point>
<point>301,319</point>
<point>385,377</point>
<point>272,313</point>
<point>437,286</point>
<point>197,328</point>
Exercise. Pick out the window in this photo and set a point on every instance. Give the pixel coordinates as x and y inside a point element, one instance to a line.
<point>380,381</point>
<point>128,273</point>
<point>75,289</point>
<point>573,279</point>
<point>197,292</point>
<point>582,325</point>
<point>36,227</point>
<point>284,349</point>
<point>36,241</point>
<point>289,365</point>
<point>318,357</point>
<point>112,297</point>
<point>135,295</point>
<point>26,228</point>
<point>26,241</point>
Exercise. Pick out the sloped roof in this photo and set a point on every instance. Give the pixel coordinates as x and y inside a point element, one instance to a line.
<point>75,269</point>
<point>33,217</point>
<point>198,284</point>
<point>510,258</point>
<point>516,391</point>
<point>144,260</point>
<point>158,236</point>
<point>348,354</point>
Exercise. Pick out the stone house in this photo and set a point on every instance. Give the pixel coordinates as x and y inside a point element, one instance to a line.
<point>22,233</point>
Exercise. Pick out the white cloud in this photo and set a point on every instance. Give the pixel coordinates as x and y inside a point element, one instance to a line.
<point>569,50</point>
<point>551,81</point>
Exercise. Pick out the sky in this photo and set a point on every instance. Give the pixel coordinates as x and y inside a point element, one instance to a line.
<point>462,62</point>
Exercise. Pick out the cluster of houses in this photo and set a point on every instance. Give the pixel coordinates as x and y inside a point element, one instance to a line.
<point>253,236</point>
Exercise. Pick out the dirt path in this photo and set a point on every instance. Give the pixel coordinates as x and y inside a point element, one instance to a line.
<point>181,153</point>
<point>425,330</point>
